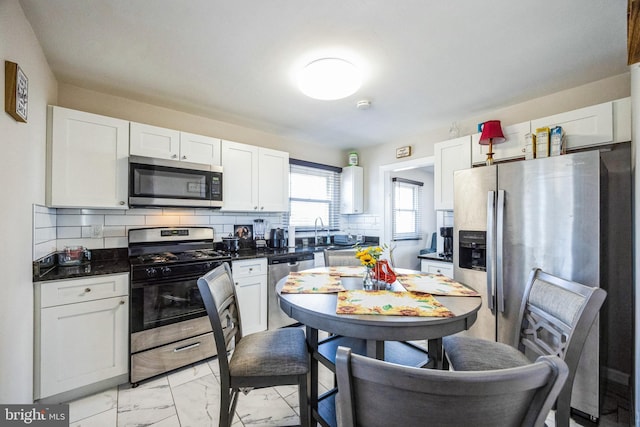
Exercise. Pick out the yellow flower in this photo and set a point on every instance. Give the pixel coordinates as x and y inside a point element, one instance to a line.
<point>369,256</point>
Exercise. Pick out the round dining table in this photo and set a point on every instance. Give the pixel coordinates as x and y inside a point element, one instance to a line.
<point>317,311</point>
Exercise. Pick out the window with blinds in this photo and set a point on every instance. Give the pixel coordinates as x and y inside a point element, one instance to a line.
<point>314,191</point>
<point>406,209</point>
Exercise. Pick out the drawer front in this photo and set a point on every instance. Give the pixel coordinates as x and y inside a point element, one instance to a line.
<point>440,269</point>
<point>163,359</point>
<point>61,292</point>
<point>249,267</point>
<point>165,334</point>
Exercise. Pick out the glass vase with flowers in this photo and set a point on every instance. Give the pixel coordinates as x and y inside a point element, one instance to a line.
<point>370,258</point>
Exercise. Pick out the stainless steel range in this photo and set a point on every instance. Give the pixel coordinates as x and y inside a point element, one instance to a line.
<point>168,321</point>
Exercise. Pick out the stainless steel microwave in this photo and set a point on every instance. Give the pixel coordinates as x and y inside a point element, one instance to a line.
<point>169,183</point>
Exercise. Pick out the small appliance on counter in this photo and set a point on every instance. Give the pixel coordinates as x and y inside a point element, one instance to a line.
<point>258,233</point>
<point>73,255</point>
<point>277,239</point>
<point>447,235</point>
<point>346,239</point>
<point>231,243</point>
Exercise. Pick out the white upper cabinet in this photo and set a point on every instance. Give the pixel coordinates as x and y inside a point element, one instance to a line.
<point>450,156</point>
<point>351,190</point>
<point>584,127</point>
<point>199,149</point>
<point>87,160</point>
<point>273,174</point>
<point>511,148</point>
<point>169,144</point>
<point>255,178</point>
<point>154,141</point>
<point>605,123</point>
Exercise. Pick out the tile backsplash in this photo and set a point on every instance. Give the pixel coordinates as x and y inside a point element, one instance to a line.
<point>53,229</point>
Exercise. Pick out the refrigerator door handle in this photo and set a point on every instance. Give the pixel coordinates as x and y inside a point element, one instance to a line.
<point>499,250</point>
<point>491,207</point>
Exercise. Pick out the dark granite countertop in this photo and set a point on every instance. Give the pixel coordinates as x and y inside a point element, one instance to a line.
<point>103,261</point>
<point>113,261</point>
<point>435,257</point>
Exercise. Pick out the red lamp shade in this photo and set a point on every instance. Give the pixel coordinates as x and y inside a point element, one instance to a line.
<point>491,133</point>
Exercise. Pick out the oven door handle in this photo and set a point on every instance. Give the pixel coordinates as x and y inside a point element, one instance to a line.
<point>186,347</point>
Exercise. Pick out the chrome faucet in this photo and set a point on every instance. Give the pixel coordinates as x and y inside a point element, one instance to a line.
<point>315,229</point>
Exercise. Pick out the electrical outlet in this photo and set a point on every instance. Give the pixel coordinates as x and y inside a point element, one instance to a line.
<point>96,231</point>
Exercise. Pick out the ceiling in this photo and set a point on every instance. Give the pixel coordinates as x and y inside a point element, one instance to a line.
<point>426,62</point>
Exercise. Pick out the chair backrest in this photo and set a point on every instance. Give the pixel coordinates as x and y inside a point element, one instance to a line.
<point>376,393</point>
<point>340,258</point>
<point>556,316</point>
<point>219,297</point>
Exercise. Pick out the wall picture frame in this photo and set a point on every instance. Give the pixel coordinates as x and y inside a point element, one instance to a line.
<point>403,152</point>
<point>16,91</point>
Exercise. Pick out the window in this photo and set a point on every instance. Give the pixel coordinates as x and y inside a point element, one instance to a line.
<point>314,191</point>
<point>406,209</point>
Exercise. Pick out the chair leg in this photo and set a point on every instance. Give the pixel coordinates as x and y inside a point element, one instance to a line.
<point>303,402</point>
<point>228,402</point>
<point>563,409</point>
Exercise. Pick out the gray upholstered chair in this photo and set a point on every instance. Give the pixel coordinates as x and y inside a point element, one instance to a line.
<point>376,393</point>
<point>340,258</point>
<point>555,318</point>
<point>262,359</point>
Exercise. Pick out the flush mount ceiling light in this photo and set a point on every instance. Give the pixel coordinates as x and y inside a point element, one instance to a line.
<point>329,79</point>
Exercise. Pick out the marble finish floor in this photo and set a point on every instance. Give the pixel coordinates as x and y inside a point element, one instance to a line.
<point>189,397</point>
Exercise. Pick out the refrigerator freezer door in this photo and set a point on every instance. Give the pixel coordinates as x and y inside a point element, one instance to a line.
<point>551,221</point>
<point>471,189</point>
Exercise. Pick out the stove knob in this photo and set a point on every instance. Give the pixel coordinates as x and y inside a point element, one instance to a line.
<point>165,271</point>
<point>151,272</point>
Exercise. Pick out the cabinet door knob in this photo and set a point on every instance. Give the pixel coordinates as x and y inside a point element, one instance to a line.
<point>122,302</point>
<point>121,203</point>
<point>87,290</point>
<point>175,156</point>
<point>255,207</point>
<point>184,157</point>
<point>261,207</point>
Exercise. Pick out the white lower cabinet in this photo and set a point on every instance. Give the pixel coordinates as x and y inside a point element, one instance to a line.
<point>250,279</point>
<point>437,267</point>
<point>82,333</point>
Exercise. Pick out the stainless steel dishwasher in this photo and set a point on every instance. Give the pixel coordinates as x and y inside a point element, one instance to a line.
<point>279,267</point>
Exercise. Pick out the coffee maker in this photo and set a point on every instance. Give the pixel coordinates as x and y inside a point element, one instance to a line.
<point>447,235</point>
<point>277,239</point>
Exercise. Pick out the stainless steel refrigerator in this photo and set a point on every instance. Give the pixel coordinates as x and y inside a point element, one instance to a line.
<point>569,215</point>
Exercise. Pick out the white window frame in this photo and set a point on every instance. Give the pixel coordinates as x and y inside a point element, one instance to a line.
<point>332,173</point>
<point>415,210</point>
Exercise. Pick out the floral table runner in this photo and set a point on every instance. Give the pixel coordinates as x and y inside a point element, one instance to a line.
<point>348,271</point>
<point>435,284</point>
<point>390,303</point>
<point>305,282</point>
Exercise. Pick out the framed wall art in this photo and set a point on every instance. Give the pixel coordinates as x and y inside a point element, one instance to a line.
<point>16,91</point>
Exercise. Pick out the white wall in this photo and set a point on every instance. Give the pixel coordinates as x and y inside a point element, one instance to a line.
<point>22,174</point>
